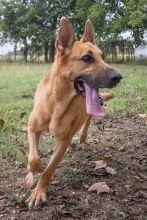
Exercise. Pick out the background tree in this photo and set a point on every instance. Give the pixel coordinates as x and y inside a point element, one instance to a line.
<point>110,18</point>
<point>43,18</point>
<point>33,23</point>
<point>13,23</point>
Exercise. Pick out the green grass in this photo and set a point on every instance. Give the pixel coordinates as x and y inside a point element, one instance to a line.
<point>131,94</point>
<point>17,80</point>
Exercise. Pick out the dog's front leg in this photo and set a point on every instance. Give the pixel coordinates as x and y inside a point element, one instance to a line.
<point>34,162</point>
<point>39,193</point>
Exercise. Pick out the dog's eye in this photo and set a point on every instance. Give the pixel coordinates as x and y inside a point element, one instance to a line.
<point>88,59</point>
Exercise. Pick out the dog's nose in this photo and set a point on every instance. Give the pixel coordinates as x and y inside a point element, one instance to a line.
<point>115,76</point>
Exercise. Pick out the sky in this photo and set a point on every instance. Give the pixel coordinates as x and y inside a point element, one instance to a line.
<point>6,48</point>
<point>9,47</point>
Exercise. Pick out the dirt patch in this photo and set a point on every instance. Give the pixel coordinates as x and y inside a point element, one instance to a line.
<point>124,141</point>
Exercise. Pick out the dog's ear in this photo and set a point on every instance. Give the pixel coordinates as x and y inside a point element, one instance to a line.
<point>89,33</point>
<point>65,37</point>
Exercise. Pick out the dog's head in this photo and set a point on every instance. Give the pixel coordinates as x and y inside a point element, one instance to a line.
<point>82,62</point>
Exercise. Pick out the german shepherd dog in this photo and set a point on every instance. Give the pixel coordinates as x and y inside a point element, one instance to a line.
<point>67,98</point>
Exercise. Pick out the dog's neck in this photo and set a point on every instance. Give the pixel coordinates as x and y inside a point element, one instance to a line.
<point>61,84</point>
<point>62,88</point>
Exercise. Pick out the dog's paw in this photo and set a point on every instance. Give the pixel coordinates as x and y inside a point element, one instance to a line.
<point>29,180</point>
<point>34,164</point>
<point>38,195</point>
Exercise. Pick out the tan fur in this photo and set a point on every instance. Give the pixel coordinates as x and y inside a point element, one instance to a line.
<point>57,107</point>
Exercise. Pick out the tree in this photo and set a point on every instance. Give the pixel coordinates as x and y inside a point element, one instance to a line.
<point>43,19</point>
<point>130,15</point>
<point>112,17</point>
<point>33,20</point>
<point>33,23</point>
<point>13,23</point>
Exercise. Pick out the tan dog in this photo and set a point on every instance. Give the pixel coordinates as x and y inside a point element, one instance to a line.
<point>66,98</point>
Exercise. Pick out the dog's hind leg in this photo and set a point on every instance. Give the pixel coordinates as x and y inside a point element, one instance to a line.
<point>84,129</point>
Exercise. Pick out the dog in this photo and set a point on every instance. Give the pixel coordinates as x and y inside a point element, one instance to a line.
<point>67,98</point>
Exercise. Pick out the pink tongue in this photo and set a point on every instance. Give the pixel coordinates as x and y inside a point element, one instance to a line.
<point>92,102</point>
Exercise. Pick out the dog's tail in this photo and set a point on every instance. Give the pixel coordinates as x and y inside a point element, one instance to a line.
<point>107,96</point>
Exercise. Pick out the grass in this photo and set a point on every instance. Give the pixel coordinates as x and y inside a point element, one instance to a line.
<point>131,94</point>
<point>18,84</point>
<point>17,81</point>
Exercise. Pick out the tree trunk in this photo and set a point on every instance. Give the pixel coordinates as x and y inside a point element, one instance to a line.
<point>52,51</point>
<point>112,58</point>
<point>123,50</point>
<point>15,51</point>
<point>25,50</point>
<point>46,52</point>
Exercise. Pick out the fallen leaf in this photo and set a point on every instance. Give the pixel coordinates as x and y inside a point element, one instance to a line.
<point>99,187</point>
<point>1,122</point>
<point>102,163</point>
<point>142,115</point>
<point>107,129</point>
<point>99,164</point>
<point>107,159</point>
<point>122,148</point>
<point>134,181</point>
<point>29,181</point>
<point>110,170</point>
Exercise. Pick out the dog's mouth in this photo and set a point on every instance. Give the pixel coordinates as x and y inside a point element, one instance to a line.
<point>94,101</point>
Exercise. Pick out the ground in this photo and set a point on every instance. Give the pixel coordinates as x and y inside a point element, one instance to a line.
<point>120,137</point>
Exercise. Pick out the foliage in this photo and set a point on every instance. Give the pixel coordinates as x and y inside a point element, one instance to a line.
<point>34,22</point>
<point>111,18</point>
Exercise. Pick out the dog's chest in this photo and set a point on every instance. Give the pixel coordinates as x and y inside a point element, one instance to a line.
<point>72,118</point>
